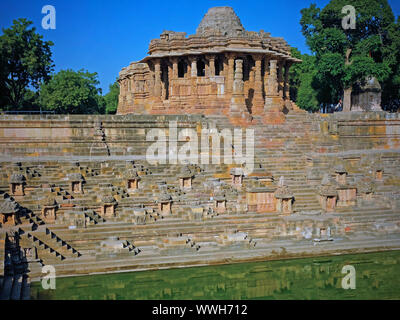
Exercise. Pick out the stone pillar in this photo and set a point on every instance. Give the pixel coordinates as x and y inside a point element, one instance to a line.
<point>231,68</point>
<point>258,100</point>
<point>280,78</point>
<point>157,78</point>
<point>272,83</point>
<point>211,68</point>
<point>206,67</point>
<point>189,69</point>
<point>273,102</point>
<point>238,105</point>
<point>165,75</point>
<point>286,91</point>
<point>238,78</point>
<point>174,62</point>
<point>193,80</point>
<point>193,62</point>
<point>225,69</point>
<point>170,80</point>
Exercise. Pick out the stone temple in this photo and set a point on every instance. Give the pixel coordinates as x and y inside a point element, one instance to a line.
<point>222,69</point>
<point>79,193</point>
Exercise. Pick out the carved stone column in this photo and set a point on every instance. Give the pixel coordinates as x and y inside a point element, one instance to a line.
<point>211,67</point>
<point>231,67</point>
<point>129,93</point>
<point>193,62</point>
<point>272,87</point>
<point>286,88</point>
<point>172,75</point>
<point>266,74</point>
<point>258,100</point>
<point>189,68</point>
<point>174,62</point>
<point>238,101</point>
<point>157,78</point>
<point>273,103</point>
<point>280,78</point>
<point>225,69</point>
<point>193,80</point>
<point>206,67</point>
<point>238,78</point>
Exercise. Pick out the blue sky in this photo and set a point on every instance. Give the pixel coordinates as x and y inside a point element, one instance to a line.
<point>104,36</point>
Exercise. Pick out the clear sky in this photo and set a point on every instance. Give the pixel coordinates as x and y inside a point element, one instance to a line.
<point>104,36</point>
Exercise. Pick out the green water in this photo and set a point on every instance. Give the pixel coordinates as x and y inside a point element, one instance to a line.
<point>377,277</point>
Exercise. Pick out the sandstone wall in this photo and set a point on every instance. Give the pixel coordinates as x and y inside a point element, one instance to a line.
<point>78,135</point>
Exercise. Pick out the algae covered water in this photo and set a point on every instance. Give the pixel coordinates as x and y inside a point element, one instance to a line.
<point>377,277</point>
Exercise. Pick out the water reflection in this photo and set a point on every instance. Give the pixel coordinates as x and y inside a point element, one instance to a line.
<point>314,278</point>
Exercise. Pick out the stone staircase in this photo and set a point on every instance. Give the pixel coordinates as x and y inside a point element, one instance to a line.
<point>289,149</point>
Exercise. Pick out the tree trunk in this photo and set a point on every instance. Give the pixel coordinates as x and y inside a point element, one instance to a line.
<point>347,91</point>
<point>347,99</point>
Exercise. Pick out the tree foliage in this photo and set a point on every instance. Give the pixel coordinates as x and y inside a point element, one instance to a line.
<point>111,98</point>
<point>302,86</point>
<point>372,47</point>
<point>74,92</point>
<point>25,61</point>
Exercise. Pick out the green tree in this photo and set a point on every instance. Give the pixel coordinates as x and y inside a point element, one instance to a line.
<point>111,98</point>
<point>302,81</point>
<point>345,57</point>
<point>391,89</point>
<point>25,61</point>
<point>71,91</point>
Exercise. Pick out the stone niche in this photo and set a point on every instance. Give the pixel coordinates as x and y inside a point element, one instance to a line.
<point>133,180</point>
<point>48,212</point>
<point>285,198</point>
<point>108,206</point>
<point>323,232</point>
<point>76,219</point>
<point>140,215</point>
<point>9,213</point>
<point>261,201</point>
<point>259,198</point>
<point>237,176</point>
<point>347,196</point>
<point>185,178</point>
<point>220,203</point>
<point>366,189</point>
<point>377,169</point>
<point>197,212</point>
<point>341,174</point>
<point>17,184</point>
<point>379,175</point>
<point>164,203</point>
<point>327,194</point>
<point>313,176</point>
<point>75,183</point>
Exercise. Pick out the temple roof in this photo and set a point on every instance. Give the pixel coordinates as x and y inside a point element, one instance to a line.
<point>75,177</point>
<point>107,199</point>
<point>327,187</point>
<point>220,31</point>
<point>185,172</point>
<point>164,197</point>
<point>221,20</point>
<point>9,206</point>
<point>17,178</point>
